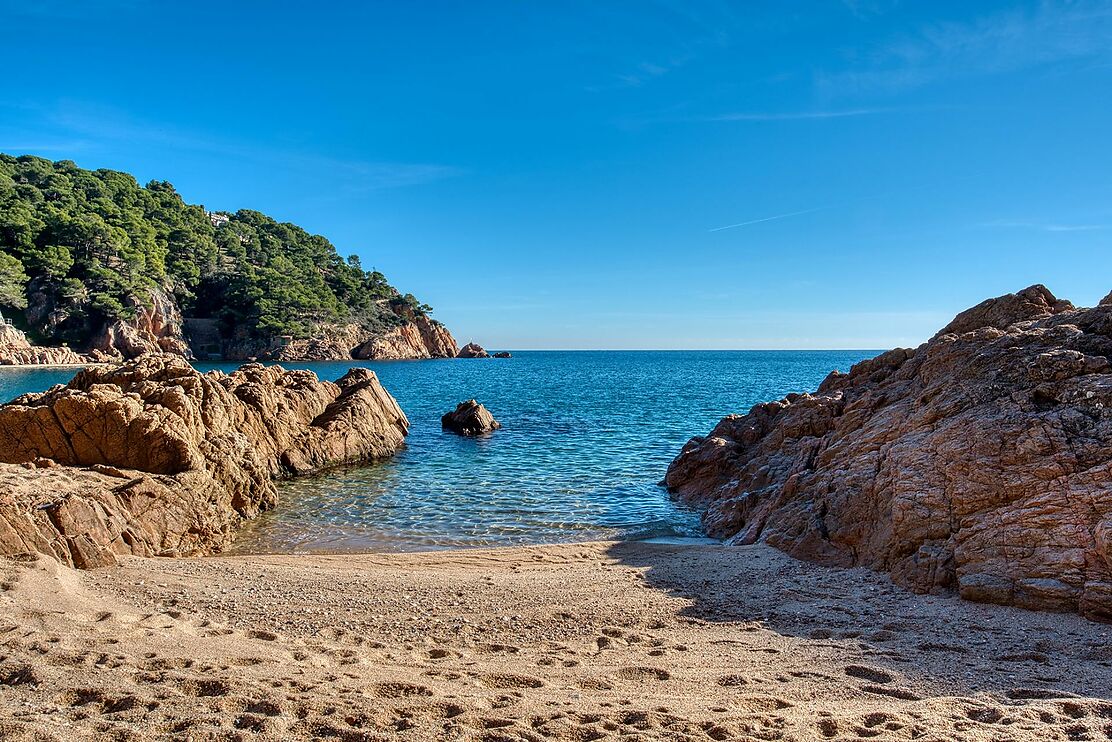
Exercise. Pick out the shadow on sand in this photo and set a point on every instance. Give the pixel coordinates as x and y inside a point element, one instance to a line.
<point>862,618</point>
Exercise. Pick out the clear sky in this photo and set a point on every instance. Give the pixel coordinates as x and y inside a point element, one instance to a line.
<point>668,174</point>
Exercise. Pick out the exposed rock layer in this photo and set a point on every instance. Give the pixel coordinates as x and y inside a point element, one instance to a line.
<point>158,327</point>
<point>469,418</point>
<point>416,336</point>
<point>154,458</point>
<point>980,461</point>
<point>17,350</point>
<point>419,337</point>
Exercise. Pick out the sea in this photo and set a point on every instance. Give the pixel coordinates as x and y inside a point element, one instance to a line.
<point>586,439</point>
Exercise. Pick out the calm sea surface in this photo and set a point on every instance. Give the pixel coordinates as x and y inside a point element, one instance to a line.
<point>586,437</point>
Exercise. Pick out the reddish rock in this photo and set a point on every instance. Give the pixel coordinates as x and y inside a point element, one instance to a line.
<point>153,457</point>
<point>980,461</point>
<point>419,337</point>
<point>156,328</point>
<point>469,418</point>
<point>17,350</point>
<point>472,350</point>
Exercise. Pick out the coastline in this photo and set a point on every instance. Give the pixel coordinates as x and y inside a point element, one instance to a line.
<point>27,366</point>
<point>580,641</point>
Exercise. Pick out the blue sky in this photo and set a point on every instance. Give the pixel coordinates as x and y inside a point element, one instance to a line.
<point>667,174</point>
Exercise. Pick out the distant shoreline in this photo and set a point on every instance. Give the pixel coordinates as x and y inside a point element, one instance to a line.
<point>25,366</point>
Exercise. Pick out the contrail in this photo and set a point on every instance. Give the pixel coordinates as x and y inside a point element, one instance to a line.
<point>768,219</point>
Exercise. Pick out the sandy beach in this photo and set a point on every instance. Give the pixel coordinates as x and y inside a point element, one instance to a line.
<point>575,642</point>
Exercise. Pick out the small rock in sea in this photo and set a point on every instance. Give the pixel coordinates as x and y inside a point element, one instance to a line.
<point>472,350</point>
<point>469,418</point>
<point>503,354</point>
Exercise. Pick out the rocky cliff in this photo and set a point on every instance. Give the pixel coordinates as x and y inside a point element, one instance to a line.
<point>414,336</point>
<point>418,337</point>
<point>154,458</point>
<point>980,461</point>
<point>158,327</point>
<point>17,350</point>
<point>155,327</point>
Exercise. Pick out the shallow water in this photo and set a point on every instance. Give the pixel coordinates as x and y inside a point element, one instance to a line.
<point>586,438</point>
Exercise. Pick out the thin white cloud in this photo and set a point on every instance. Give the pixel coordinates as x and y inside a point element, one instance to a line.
<point>1047,34</point>
<point>1045,226</point>
<point>100,126</point>
<point>799,115</point>
<point>768,219</point>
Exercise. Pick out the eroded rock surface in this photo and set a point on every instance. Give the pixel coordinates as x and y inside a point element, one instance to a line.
<point>17,350</point>
<point>472,350</point>
<point>979,461</point>
<point>154,458</point>
<point>155,328</point>
<point>419,337</point>
<point>469,418</point>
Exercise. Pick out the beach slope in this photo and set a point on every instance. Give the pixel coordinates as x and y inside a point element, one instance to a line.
<point>576,642</point>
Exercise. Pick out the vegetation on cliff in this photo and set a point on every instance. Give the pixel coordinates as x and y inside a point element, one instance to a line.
<point>83,248</point>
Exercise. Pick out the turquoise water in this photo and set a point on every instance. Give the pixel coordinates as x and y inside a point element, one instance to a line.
<point>586,438</point>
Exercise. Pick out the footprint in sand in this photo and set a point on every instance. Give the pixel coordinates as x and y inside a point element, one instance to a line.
<point>509,680</point>
<point>872,674</point>
<point>399,689</point>
<point>762,704</point>
<point>642,673</point>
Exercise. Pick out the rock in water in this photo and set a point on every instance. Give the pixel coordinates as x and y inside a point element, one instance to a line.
<point>979,461</point>
<point>503,354</point>
<point>154,458</point>
<point>469,418</point>
<point>472,350</point>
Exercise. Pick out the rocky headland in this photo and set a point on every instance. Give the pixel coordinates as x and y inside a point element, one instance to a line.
<point>980,461</point>
<point>166,276</point>
<point>154,458</point>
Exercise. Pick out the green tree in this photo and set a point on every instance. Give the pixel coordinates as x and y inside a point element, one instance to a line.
<point>13,279</point>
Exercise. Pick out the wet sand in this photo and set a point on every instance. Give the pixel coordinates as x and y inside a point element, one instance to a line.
<point>577,642</point>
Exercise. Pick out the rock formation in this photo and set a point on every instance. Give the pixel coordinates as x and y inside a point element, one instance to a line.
<point>472,350</point>
<point>154,458</point>
<point>503,354</point>
<point>156,328</point>
<point>415,336</point>
<point>16,350</point>
<point>419,337</point>
<point>979,461</point>
<point>469,418</point>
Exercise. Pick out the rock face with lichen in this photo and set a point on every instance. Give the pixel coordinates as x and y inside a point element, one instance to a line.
<point>154,458</point>
<point>980,461</point>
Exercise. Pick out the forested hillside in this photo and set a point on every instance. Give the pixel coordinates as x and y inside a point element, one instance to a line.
<point>81,249</point>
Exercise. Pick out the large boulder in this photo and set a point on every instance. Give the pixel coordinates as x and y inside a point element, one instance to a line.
<point>153,457</point>
<point>472,350</point>
<point>469,418</point>
<point>980,461</point>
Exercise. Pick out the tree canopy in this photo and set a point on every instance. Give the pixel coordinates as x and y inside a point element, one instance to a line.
<point>85,245</point>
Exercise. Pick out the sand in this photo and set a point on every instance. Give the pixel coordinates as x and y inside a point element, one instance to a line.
<point>579,642</point>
